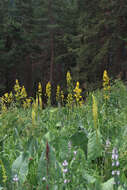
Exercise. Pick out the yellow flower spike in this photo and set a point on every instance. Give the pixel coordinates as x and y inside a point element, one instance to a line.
<point>77,94</point>
<point>40,94</point>
<point>17,86</point>
<point>106,85</point>
<point>17,89</point>
<point>58,94</point>
<point>68,78</point>
<point>48,93</point>
<point>70,100</point>
<point>10,98</point>
<point>39,88</point>
<point>23,93</point>
<point>6,95</point>
<point>4,176</point>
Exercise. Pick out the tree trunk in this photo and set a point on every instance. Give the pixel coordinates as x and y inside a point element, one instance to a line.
<point>28,76</point>
<point>52,57</point>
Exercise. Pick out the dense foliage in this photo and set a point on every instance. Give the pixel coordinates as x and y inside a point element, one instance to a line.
<point>81,145</point>
<point>40,40</point>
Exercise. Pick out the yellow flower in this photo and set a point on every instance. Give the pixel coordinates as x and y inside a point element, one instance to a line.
<point>40,94</point>
<point>95,111</point>
<point>4,176</point>
<point>106,85</point>
<point>39,88</point>
<point>23,93</point>
<point>48,93</point>
<point>10,98</point>
<point>17,89</point>
<point>7,98</point>
<point>4,98</point>
<point>70,100</point>
<point>17,86</point>
<point>6,95</point>
<point>68,78</point>
<point>58,93</point>
<point>77,93</point>
<point>27,103</point>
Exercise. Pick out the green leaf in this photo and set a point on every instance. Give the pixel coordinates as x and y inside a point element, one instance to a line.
<point>80,139</point>
<point>53,166</point>
<point>88,178</point>
<point>108,185</point>
<point>20,166</point>
<point>94,146</point>
<point>120,188</point>
<point>42,170</point>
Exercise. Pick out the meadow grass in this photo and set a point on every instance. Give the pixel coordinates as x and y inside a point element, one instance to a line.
<point>72,147</point>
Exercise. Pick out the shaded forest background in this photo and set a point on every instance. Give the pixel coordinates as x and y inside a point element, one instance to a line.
<point>40,40</point>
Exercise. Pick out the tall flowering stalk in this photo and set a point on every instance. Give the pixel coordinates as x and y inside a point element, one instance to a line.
<point>69,100</point>
<point>33,114</point>
<point>68,79</point>
<point>70,90</point>
<point>48,93</point>
<point>77,94</point>
<point>23,93</point>
<point>115,165</point>
<point>106,85</point>
<point>58,94</point>
<point>40,94</point>
<point>17,89</point>
<point>4,176</point>
<point>95,112</point>
<point>62,97</point>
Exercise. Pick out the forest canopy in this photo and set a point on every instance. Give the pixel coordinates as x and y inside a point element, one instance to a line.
<point>41,40</point>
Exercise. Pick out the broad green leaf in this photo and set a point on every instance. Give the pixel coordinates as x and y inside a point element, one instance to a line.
<point>88,178</point>
<point>108,185</point>
<point>80,139</point>
<point>121,188</point>
<point>94,146</point>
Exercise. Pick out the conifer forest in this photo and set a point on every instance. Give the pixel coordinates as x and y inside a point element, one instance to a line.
<point>41,40</point>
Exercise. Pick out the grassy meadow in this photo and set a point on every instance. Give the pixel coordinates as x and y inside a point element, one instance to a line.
<point>81,144</point>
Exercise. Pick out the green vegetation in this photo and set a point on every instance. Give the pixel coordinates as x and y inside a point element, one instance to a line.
<point>81,147</point>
